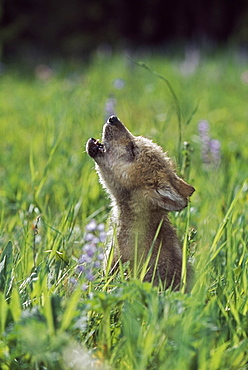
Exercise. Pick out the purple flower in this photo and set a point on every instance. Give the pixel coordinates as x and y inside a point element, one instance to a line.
<point>215,146</point>
<point>90,249</point>
<point>84,287</point>
<point>97,264</point>
<point>89,276</point>
<point>100,256</point>
<point>91,226</point>
<point>81,268</point>
<point>89,237</point>
<point>73,280</point>
<point>119,83</point>
<point>102,236</point>
<point>203,128</point>
<point>84,259</point>
<point>100,227</point>
<point>210,148</point>
<point>92,252</point>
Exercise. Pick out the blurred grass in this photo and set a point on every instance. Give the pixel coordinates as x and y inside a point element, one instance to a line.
<point>44,171</point>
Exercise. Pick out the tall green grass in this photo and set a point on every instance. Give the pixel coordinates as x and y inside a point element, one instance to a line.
<point>51,316</point>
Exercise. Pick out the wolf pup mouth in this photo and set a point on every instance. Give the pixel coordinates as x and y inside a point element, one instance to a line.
<point>94,147</point>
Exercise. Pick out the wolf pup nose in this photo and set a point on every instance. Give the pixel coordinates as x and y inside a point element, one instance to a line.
<point>113,120</point>
<point>143,186</point>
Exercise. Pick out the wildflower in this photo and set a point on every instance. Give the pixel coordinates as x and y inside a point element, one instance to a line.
<point>82,260</point>
<point>91,226</point>
<point>100,227</point>
<point>119,83</point>
<point>102,236</point>
<point>89,237</point>
<point>84,287</point>
<point>203,129</point>
<point>210,148</point>
<point>92,252</point>
<point>97,264</point>
<point>73,280</point>
<point>89,276</point>
<point>100,256</point>
<point>215,146</point>
<point>90,249</point>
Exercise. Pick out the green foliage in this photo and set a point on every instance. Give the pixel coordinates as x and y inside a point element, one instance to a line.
<point>51,316</point>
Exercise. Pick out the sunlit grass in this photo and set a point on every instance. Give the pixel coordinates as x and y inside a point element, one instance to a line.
<point>51,315</point>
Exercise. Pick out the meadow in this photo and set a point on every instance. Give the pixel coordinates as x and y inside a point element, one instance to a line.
<point>58,309</point>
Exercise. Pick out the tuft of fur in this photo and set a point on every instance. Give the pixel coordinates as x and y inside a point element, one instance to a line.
<point>143,185</point>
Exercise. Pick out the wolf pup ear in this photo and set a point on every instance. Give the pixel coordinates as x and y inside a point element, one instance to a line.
<point>173,196</point>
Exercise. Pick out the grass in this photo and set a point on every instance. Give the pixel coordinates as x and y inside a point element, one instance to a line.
<point>51,315</point>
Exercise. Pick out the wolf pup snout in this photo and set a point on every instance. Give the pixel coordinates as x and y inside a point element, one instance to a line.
<point>113,120</point>
<point>94,147</point>
<point>143,185</point>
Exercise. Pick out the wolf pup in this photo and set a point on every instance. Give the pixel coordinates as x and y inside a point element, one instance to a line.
<point>143,187</point>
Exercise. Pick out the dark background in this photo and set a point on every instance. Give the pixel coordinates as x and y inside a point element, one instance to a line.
<point>77,27</point>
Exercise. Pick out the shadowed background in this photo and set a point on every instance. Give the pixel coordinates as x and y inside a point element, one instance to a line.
<point>75,28</point>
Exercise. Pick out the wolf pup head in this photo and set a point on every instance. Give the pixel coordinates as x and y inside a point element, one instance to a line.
<point>134,164</point>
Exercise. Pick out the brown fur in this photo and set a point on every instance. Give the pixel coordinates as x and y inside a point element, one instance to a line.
<point>143,186</point>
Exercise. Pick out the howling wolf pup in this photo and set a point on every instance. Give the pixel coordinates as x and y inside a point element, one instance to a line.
<point>143,186</point>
